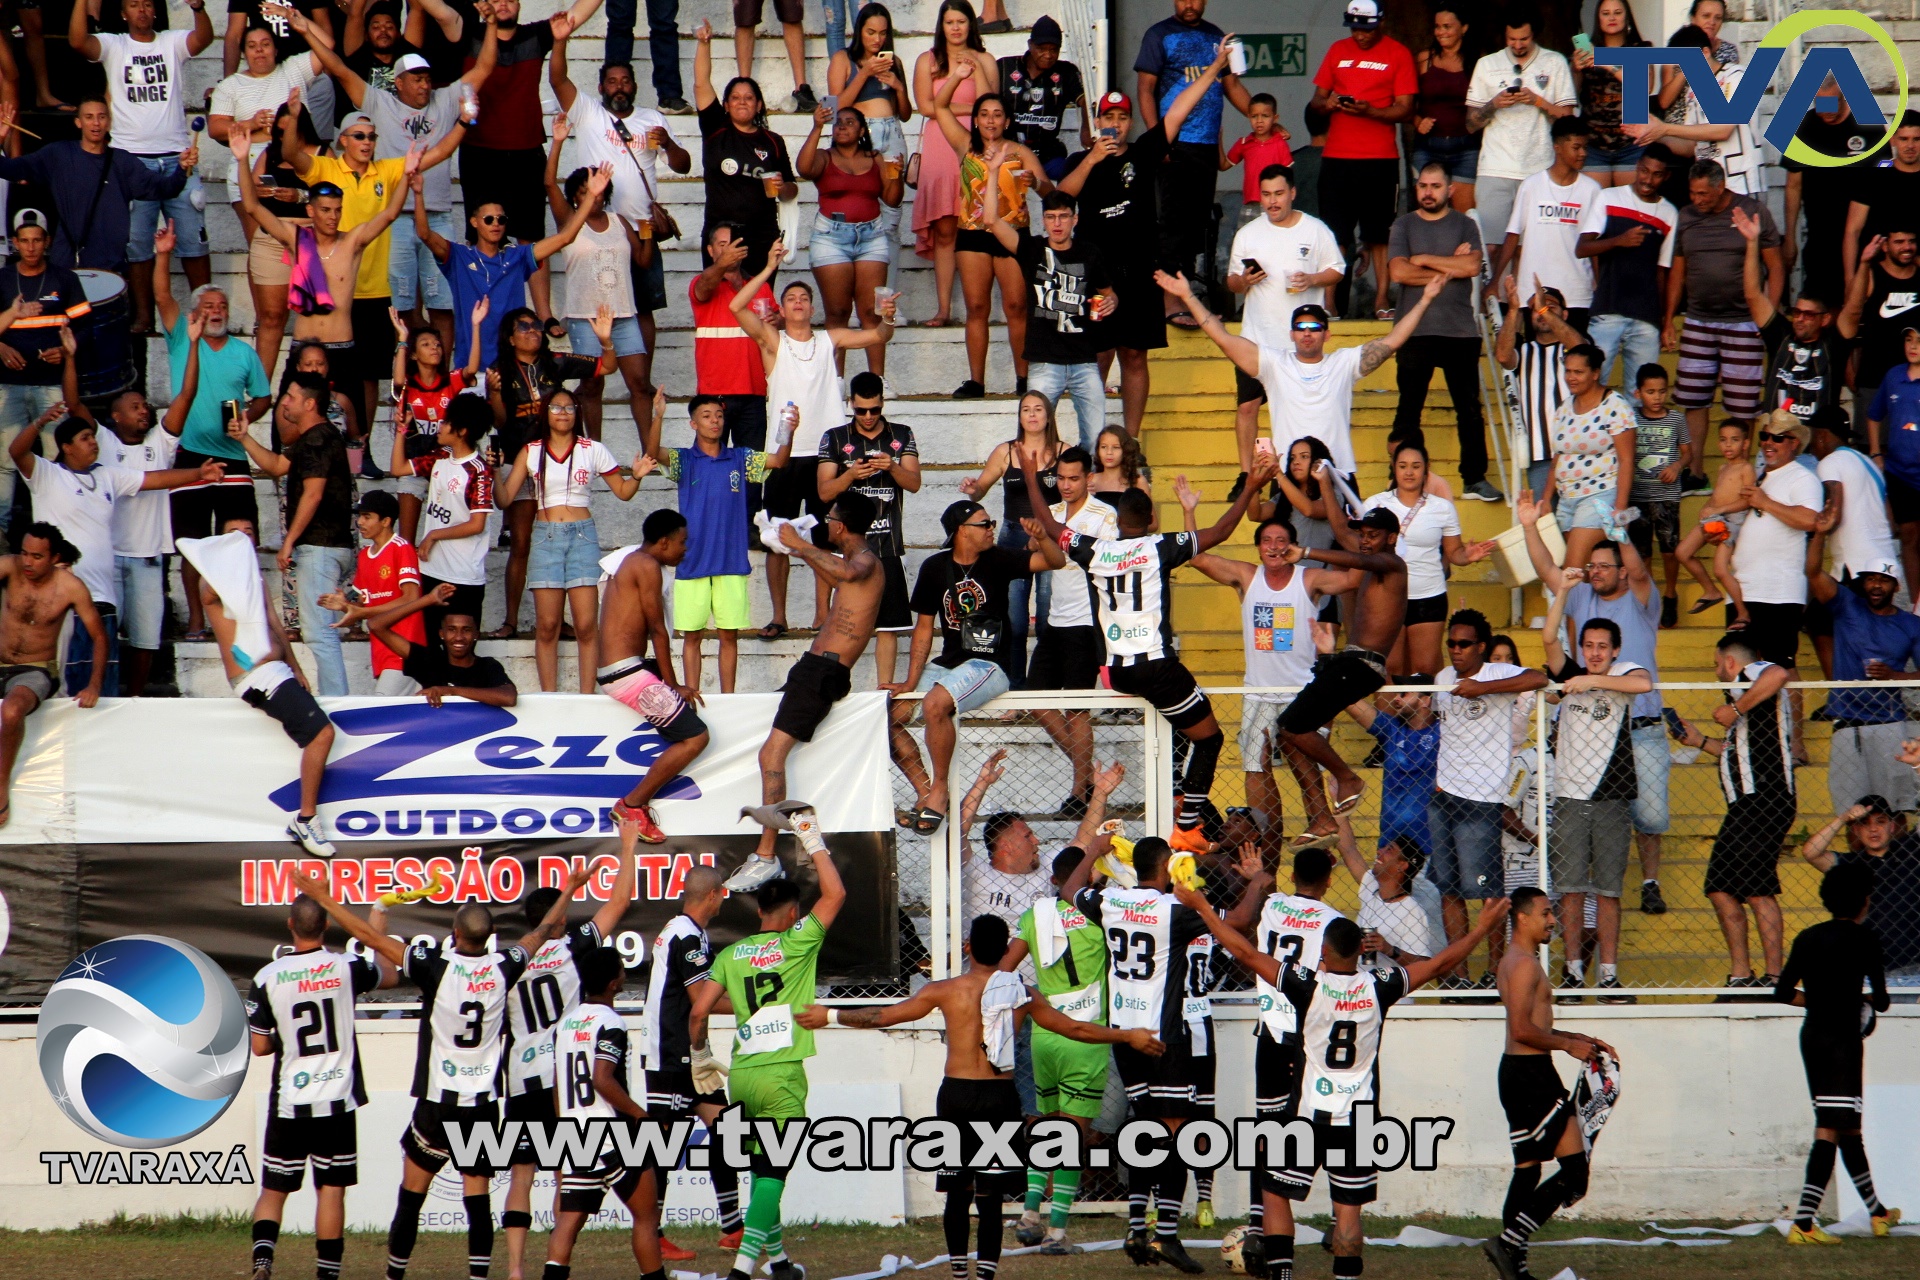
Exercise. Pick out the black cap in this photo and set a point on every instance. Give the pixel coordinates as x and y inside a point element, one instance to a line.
<point>1045,31</point>
<point>1379,518</point>
<point>956,515</point>
<point>1312,311</point>
<point>1833,420</point>
<point>1874,804</point>
<point>379,502</point>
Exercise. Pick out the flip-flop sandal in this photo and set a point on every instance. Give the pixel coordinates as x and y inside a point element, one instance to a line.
<point>903,818</point>
<point>501,632</point>
<point>555,328</point>
<point>1739,624</point>
<point>927,821</point>
<point>937,322</point>
<point>1702,605</point>
<point>773,631</point>
<point>1182,320</point>
<point>198,637</point>
<point>1308,840</point>
<point>1344,806</point>
<point>1385,313</point>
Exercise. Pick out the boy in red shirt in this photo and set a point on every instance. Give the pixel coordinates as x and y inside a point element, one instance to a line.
<point>386,572</point>
<point>1266,145</point>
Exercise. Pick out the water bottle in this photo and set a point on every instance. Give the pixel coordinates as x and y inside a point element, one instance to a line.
<point>789,420</point>
<point>196,194</point>
<point>469,104</point>
<point>1236,57</point>
<point>1616,526</point>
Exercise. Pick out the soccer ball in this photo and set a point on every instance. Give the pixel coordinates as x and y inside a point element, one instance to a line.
<point>1233,1250</point>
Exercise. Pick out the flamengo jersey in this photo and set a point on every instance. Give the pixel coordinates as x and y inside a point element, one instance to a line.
<point>549,988</point>
<point>1291,929</point>
<point>1197,1009</point>
<point>304,1001</point>
<point>1131,590</point>
<point>582,1037</point>
<point>1147,936</point>
<point>1341,1015</point>
<point>466,1020</point>
<point>681,957</point>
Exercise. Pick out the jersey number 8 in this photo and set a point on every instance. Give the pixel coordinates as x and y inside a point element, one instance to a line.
<point>1342,1046</point>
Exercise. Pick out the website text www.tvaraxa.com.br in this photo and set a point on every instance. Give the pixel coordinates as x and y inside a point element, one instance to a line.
<point>837,1144</point>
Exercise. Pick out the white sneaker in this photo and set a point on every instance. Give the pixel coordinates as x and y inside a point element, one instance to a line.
<point>311,836</point>
<point>753,873</point>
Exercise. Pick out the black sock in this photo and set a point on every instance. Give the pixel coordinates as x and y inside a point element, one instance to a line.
<point>1256,1205</point>
<point>556,1271</point>
<point>1279,1255</point>
<point>1516,1228</point>
<point>327,1255</point>
<point>404,1231</point>
<point>726,1189</point>
<point>266,1236</point>
<point>1139,1191</point>
<point>1814,1189</point>
<point>1197,782</point>
<point>1349,1268</point>
<point>1565,1187</point>
<point>479,1235</point>
<point>510,1219</point>
<point>659,1273</point>
<point>953,1221</point>
<point>1168,1192</point>
<point>987,1256</point>
<point>1854,1152</point>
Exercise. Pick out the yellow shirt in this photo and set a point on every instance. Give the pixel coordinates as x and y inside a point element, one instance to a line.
<point>366,195</point>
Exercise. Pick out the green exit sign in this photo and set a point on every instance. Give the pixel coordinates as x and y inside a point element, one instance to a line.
<point>1277,55</point>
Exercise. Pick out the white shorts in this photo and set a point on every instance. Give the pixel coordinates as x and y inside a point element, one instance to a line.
<point>1260,731</point>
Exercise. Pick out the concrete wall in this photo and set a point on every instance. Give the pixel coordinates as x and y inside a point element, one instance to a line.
<point>1713,1119</point>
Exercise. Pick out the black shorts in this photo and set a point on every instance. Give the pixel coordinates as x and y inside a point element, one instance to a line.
<point>1203,1071</point>
<point>1139,323</point>
<point>1277,1069</point>
<point>293,707</point>
<point>1536,1104</point>
<point>1834,1076</point>
<point>425,1141</point>
<point>1366,192</point>
<point>1426,609</point>
<point>1066,658</point>
<point>1247,390</point>
<point>1339,680</point>
<point>1659,522</point>
<point>896,603</point>
<point>514,180</point>
<point>199,512</point>
<point>330,1143</point>
<point>1168,686</point>
<point>1349,1180</point>
<point>794,489</point>
<point>814,684</point>
<point>671,1095</point>
<point>1746,852</point>
<point>994,1102</point>
<point>746,13</point>
<point>1162,1088</point>
<point>1773,631</point>
<point>583,1191</point>
<point>535,1106</point>
<point>1902,497</point>
<point>372,357</point>
<point>979,242</point>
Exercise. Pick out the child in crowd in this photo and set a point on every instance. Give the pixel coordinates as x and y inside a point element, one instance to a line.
<point>1266,145</point>
<point>1408,731</point>
<point>1720,522</point>
<point>1661,453</point>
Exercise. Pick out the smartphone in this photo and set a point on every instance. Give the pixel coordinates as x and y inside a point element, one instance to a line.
<point>1582,42</point>
<point>1110,133</point>
<point>831,103</point>
<point>1676,728</point>
<point>1252,265</point>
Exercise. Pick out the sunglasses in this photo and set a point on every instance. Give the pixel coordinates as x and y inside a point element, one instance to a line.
<point>526,326</point>
<point>567,409</point>
<point>978,524</point>
<point>359,135</point>
<point>1768,437</point>
<point>1461,644</point>
<point>1308,326</point>
<point>861,411</point>
<point>493,219</point>
<point>1808,312</point>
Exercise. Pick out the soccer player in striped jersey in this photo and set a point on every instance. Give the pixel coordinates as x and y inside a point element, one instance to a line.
<point>300,1010</point>
<point>1342,1008</point>
<point>464,992</point>
<point>549,988</point>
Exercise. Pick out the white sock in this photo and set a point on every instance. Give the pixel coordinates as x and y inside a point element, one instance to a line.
<point>1609,972</point>
<point>1576,969</point>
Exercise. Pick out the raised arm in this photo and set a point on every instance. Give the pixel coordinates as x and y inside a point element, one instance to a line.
<point>703,94</point>
<point>597,182</point>
<point>384,945</point>
<point>436,243</point>
<point>1189,98</point>
<point>554,923</point>
<point>1375,353</point>
<point>1555,626</point>
<point>269,221</point>
<point>959,138</point>
<point>1223,528</point>
<point>742,305</point>
<point>1420,972</point>
<point>1235,942</point>
<point>1759,305</point>
<point>1244,354</point>
<point>175,418</point>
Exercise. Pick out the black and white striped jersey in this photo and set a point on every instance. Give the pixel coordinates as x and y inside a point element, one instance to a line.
<point>1290,929</point>
<point>1758,759</point>
<point>304,1002</point>
<point>1341,1015</point>
<point>550,987</point>
<point>682,956</point>
<point>585,1035</point>
<point>463,1022</point>
<point>1147,935</point>
<point>1132,591</point>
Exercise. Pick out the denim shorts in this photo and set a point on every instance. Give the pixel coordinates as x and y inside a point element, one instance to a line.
<point>565,554</point>
<point>835,243</point>
<point>187,211</point>
<point>972,684</point>
<point>1459,156</point>
<point>1626,157</point>
<point>1595,511</point>
<point>143,600</point>
<point>627,338</point>
<point>413,277</point>
<point>1466,860</point>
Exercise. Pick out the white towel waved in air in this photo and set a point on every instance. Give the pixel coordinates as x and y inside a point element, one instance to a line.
<point>231,565</point>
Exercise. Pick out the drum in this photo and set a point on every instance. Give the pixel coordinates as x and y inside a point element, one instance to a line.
<point>106,350</point>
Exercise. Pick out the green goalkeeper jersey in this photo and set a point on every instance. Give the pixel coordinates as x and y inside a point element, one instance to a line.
<point>769,977</point>
<point>1076,983</point>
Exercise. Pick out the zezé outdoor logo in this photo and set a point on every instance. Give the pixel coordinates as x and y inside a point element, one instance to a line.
<point>143,1041</point>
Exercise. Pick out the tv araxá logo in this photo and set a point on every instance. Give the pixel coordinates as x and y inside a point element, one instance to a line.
<point>1803,92</point>
<point>142,1041</point>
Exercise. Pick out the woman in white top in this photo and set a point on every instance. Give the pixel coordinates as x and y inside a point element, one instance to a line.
<point>249,97</point>
<point>1429,541</point>
<point>564,566</point>
<point>799,360</point>
<point>599,273</point>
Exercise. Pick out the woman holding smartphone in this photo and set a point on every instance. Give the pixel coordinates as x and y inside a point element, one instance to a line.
<point>867,76</point>
<point>1611,155</point>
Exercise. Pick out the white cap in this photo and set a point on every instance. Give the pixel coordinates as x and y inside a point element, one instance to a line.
<point>410,62</point>
<point>1885,568</point>
<point>1364,14</point>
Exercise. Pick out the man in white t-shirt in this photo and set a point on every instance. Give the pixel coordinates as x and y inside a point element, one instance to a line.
<point>1315,385</point>
<point>1011,876</point>
<point>1856,498</point>
<point>1071,651</point>
<point>143,524</point>
<point>631,138</point>
<point>414,112</point>
<point>148,97</point>
<point>1281,260</point>
<point>1475,704</point>
<point>1770,559</point>
<point>1515,93</point>
<point>1544,229</point>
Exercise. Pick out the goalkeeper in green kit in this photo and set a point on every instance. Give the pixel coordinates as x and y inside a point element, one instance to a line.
<point>1069,952</point>
<point>769,979</point>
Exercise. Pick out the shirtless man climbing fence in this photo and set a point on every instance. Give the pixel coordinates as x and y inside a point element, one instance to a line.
<point>39,594</point>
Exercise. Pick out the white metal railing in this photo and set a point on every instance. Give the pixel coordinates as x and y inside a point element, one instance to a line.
<point>1085,32</point>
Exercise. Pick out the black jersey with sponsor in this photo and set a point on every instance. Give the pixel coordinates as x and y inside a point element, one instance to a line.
<point>847,445</point>
<point>682,955</point>
<point>1341,1015</point>
<point>1119,204</point>
<point>1148,932</point>
<point>549,988</point>
<point>463,1022</point>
